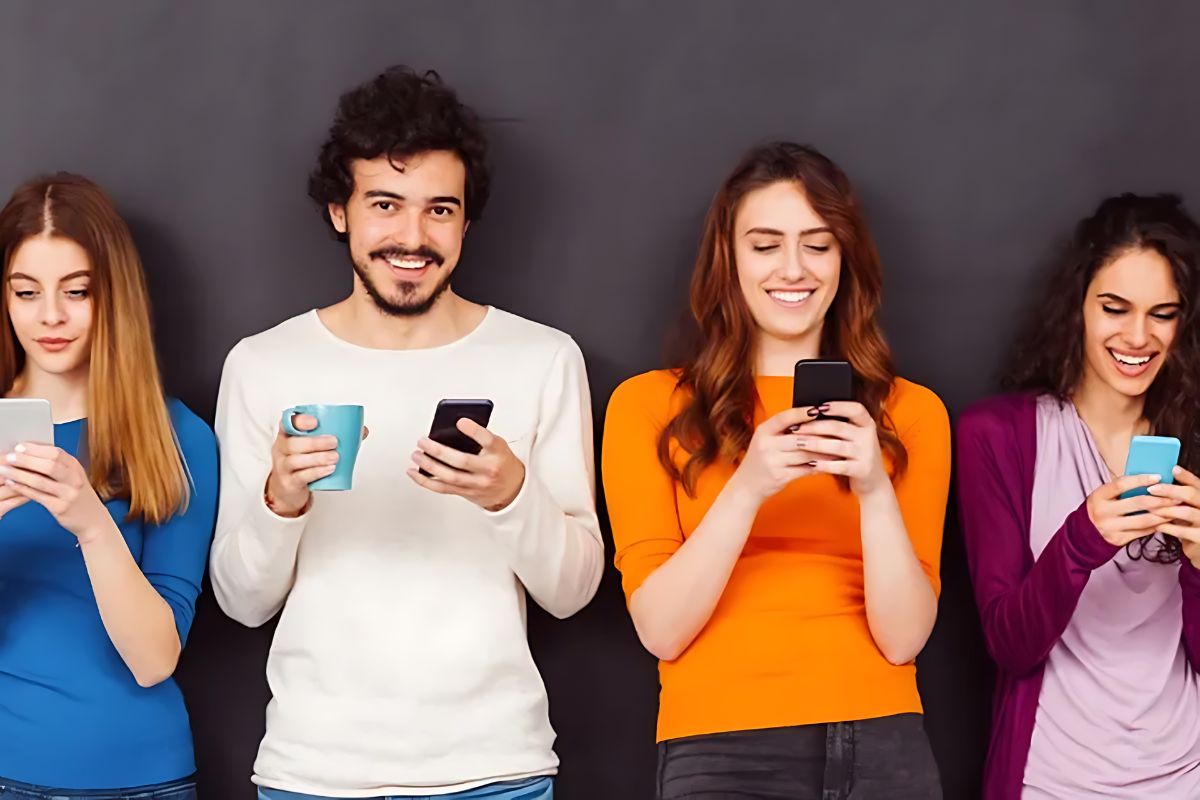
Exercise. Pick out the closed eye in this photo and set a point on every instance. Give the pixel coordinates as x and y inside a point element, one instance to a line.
<point>1114,311</point>
<point>764,248</point>
<point>817,248</point>
<point>24,294</point>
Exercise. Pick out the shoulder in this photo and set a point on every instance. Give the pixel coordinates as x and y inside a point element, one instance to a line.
<point>655,394</point>
<point>193,433</point>
<point>996,416</point>
<point>284,337</point>
<point>530,338</point>
<point>910,404</point>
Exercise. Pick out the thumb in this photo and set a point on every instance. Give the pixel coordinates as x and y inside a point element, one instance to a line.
<point>366,432</point>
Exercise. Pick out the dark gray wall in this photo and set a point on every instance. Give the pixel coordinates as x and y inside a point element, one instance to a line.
<point>977,133</point>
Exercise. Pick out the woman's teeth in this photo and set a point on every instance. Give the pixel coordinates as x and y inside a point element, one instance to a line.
<point>790,297</point>
<point>1132,361</point>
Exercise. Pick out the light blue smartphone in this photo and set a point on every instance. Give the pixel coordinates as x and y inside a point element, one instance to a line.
<point>1151,455</point>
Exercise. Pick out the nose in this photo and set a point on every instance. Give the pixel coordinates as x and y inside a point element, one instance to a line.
<point>793,266</point>
<point>53,310</point>
<point>410,229</point>
<point>1137,332</point>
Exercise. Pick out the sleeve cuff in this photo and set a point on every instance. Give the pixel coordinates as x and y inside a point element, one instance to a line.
<point>1088,548</point>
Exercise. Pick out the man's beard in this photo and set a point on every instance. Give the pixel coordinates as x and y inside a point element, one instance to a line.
<point>408,305</point>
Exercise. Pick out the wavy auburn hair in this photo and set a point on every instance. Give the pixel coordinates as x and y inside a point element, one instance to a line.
<point>132,450</point>
<point>1049,356</point>
<point>716,369</point>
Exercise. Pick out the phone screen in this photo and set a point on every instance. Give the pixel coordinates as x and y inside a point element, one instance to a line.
<point>818,381</point>
<point>444,429</point>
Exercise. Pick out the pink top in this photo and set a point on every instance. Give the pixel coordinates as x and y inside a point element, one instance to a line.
<point>1119,710</point>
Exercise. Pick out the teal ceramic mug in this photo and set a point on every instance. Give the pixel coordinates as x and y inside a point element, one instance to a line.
<point>343,421</point>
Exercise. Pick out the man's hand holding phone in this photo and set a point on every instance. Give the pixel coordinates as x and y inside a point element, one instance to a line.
<point>491,479</point>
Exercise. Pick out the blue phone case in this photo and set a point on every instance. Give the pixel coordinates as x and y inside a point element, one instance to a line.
<point>1151,455</point>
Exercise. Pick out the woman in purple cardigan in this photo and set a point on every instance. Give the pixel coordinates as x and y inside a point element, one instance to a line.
<point>1091,612</point>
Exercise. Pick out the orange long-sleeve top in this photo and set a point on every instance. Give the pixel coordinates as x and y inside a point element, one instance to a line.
<point>788,642</point>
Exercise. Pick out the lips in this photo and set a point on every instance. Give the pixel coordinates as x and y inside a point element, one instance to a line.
<point>1130,363</point>
<point>53,344</point>
<point>790,298</point>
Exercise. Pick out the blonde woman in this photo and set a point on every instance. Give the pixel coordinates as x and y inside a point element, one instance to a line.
<point>104,533</point>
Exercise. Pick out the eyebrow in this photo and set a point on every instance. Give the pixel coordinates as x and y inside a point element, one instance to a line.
<point>1118,299</point>
<point>450,199</point>
<point>21,276</point>
<point>775,232</point>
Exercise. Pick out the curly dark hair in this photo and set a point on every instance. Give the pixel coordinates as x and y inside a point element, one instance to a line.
<point>1049,357</point>
<point>400,113</point>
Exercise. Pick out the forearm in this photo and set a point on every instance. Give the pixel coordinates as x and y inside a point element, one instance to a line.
<point>675,601</point>
<point>900,602</point>
<point>139,622</point>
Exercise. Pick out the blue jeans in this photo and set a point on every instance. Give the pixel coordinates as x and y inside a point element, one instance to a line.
<point>172,790</point>
<point>532,789</point>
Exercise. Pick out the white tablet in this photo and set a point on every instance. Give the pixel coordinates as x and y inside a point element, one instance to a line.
<point>24,420</point>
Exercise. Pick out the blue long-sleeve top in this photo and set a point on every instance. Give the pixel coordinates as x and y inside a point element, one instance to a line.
<point>71,714</point>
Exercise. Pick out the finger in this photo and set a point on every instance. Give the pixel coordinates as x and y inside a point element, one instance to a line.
<point>10,503</point>
<point>302,422</point>
<point>1141,524</point>
<point>1186,477</point>
<point>366,432</point>
<point>23,477</point>
<point>855,413</point>
<point>832,428</point>
<point>307,476</point>
<point>1187,514</point>
<point>47,451</point>
<point>308,444</point>
<point>834,467</point>
<point>447,455</point>
<point>441,472</point>
<point>786,419</point>
<point>1185,533</point>
<point>302,461</point>
<point>51,468</point>
<point>826,446</point>
<point>1183,494</point>
<point>1124,483</point>
<point>36,495</point>
<point>1141,502</point>
<point>432,484</point>
<point>477,432</point>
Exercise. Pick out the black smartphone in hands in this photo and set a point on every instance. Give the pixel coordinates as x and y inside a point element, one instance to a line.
<point>444,429</point>
<point>817,381</point>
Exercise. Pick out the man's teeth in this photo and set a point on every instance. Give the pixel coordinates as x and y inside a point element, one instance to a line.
<point>408,262</point>
<point>790,297</point>
<point>1132,361</point>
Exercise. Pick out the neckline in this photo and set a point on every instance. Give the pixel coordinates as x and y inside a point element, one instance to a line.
<point>329,335</point>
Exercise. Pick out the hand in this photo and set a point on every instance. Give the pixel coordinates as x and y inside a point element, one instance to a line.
<point>1183,513</point>
<point>851,448</point>
<point>57,481</point>
<point>297,461</point>
<point>491,480</point>
<point>10,499</point>
<point>1115,518</point>
<point>774,458</point>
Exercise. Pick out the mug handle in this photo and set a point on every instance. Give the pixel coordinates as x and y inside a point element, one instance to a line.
<point>289,428</point>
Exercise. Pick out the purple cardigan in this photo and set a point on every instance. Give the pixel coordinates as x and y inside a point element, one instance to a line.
<point>1025,606</point>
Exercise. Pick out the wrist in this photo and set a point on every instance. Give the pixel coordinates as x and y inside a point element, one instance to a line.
<point>876,492</point>
<point>740,492</point>
<point>282,505</point>
<point>95,533</point>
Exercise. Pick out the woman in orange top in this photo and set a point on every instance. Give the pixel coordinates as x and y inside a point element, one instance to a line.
<point>783,567</point>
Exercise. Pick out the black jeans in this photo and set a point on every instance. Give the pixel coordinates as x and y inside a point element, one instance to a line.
<point>874,759</point>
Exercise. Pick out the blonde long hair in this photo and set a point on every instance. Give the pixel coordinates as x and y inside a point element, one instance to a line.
<point>133,453</point>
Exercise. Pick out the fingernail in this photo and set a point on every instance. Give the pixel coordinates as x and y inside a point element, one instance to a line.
<point>1177,470</point>
<point>11,457</point>
<point>812,412</point>
<point>20,449</point>
<point>811,464</point>
<point>1155,478</point>
<point>824,407</point>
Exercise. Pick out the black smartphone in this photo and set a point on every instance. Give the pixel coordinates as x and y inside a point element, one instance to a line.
<point>444,429</point>
<point>818,381</point>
